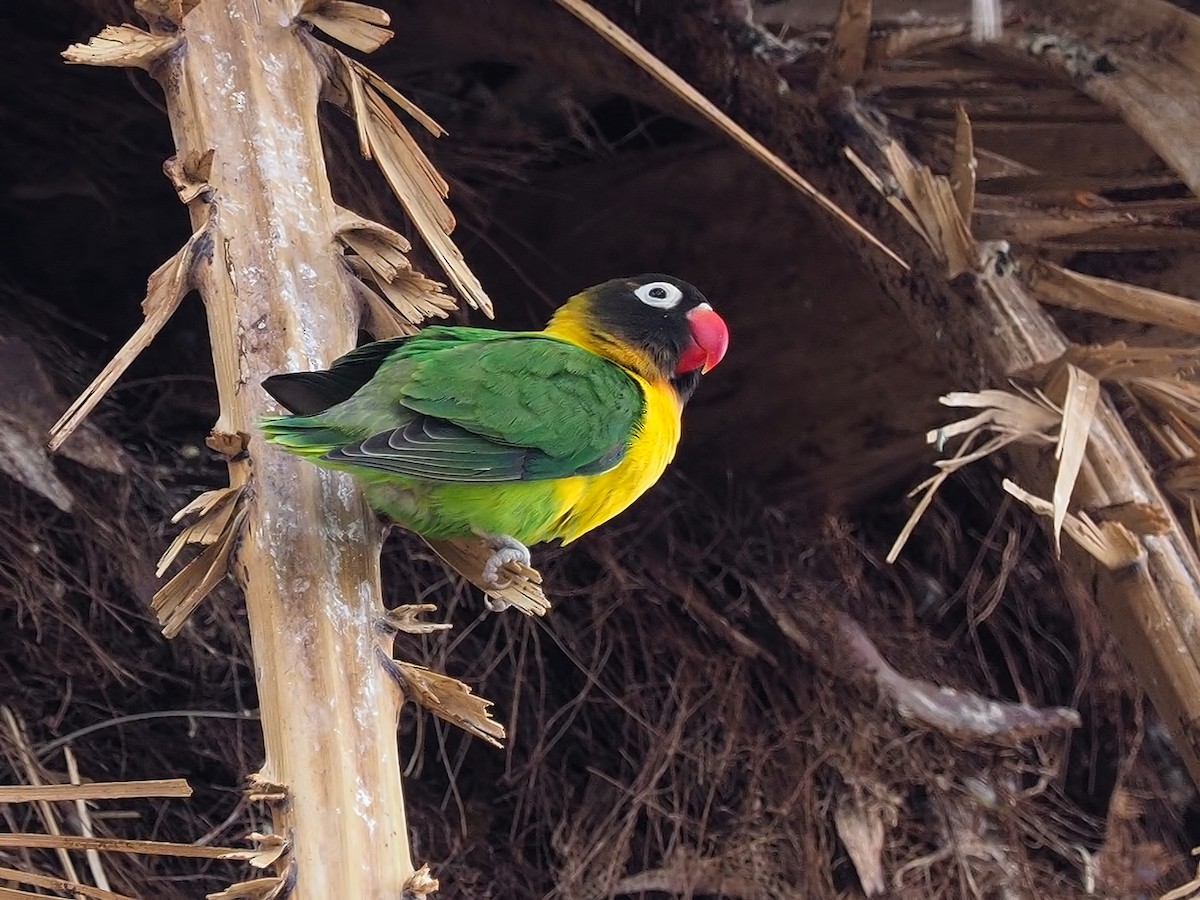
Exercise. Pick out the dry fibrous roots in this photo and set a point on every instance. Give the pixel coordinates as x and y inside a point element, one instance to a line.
<point>692,717</point>
<point>665,734</point>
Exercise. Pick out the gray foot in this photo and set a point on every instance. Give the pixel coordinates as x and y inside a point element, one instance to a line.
<point>507,550</point>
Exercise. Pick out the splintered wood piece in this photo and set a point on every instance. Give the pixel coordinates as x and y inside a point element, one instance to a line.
<point>450,699</point>
<point>166,289</point>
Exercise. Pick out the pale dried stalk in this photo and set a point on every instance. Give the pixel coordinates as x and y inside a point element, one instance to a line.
<point>85,822</point>
<point>307,557</point>
<point>96,790</point>
<point>120,845</point>
<point>60,884</point>
<point>27,761</point>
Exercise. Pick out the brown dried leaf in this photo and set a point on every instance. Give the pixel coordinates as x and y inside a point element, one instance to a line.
<point>421,191</point>
<point>1139,518</point>
<point>214,508</point>
<point>1121,363</point>
<point>847,54</point>
<point>270,848</point>
<point>380,84</point>
<point>120,845</point>
<point>1062,287</point>
<point>934,206</point>
<point>1008,416</point>
<point>1079,409</point>
<point>355,24</point>
<point>962,177</point>
<point>860,827</point>
<point>450,699</point>
<point>121,45</point>
<point>421,882</point>
<point>178,598</point>
<point>467,557</point>
<point>380,247</point>
<point>95,790</point>
<point>59,884</point>
<point>1110,542</point>
<point>381,319</point>
<point>260,790</point>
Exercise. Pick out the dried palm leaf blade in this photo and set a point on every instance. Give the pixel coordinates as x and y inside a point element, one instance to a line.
<point>176,600</point>
<point>421,883</point>
<point>935,206</point>
<point>1110,542</point>
<point>213,510</point>
<point>1079,408</point>
<point>417,184</point>
<point>962,177</point>
<point>121,845</point>
<point>666,76</point>
<point>96,790</point>
<point>121,45</point>
<point>450,699</point>
<point>360,26</point>
<point>1008,416</point>
<point>1074,290</point>
<point>847,55</point>
<point>380,247</point>
<point>1122,363</point>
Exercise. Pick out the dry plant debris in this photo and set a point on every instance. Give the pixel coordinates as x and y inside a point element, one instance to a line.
<point>666,76</point>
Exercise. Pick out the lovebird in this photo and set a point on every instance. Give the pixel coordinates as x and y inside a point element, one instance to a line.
<point>515,437</point>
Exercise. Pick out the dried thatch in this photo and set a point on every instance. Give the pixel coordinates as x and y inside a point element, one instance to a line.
<point>735,694</point>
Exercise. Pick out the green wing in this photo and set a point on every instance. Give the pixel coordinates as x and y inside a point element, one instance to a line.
<point>472,405</point>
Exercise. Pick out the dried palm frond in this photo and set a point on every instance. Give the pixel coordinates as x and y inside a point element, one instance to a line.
<point>671,80</point>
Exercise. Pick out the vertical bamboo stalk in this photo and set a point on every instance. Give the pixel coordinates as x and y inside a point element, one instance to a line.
<point>243,84</point>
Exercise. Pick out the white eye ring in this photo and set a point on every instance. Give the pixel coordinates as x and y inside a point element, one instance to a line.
<point>659,294</point>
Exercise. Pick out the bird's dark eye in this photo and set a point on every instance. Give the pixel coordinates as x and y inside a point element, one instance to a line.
<point>657,293</point>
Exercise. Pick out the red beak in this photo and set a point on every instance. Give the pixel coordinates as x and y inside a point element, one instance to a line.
<point>710,340</point>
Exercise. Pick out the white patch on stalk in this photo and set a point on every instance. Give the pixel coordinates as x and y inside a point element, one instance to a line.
<point>985,20</point>
<point>363,801</point>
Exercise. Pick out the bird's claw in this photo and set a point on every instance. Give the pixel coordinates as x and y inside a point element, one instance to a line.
<point>507,550</point>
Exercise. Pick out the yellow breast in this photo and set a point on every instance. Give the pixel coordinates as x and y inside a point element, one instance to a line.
<point>589,500</point>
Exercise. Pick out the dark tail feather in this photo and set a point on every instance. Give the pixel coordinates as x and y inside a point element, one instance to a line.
<point>308,393</point>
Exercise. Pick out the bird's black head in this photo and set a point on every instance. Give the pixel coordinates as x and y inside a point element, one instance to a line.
<point>657,325</point>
